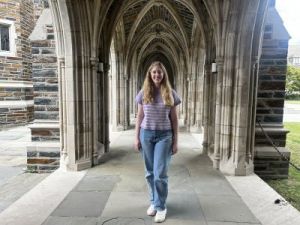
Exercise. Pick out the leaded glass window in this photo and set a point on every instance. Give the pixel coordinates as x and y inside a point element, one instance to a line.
<point>4,38</point>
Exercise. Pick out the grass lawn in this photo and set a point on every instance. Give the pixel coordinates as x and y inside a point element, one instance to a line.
<point>290,188</point>
<point>292,101</point>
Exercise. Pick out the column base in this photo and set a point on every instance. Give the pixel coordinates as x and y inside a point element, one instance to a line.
<point>242,169</point>
<point>81,165</point>
<point>98,153</point>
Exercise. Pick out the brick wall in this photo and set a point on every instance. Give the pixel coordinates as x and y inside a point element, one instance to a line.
<point>16,93</point>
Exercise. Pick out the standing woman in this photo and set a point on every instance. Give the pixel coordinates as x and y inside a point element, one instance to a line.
<point>157,134</point>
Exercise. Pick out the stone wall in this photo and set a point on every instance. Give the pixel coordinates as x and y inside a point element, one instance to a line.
<point>270,100</point>
<point>43,153</point>
<point>16,92</point>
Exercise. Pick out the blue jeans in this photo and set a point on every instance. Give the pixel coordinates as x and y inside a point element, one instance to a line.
<point>157,151</point>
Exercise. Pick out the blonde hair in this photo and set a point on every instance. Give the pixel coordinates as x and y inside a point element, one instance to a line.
<point>165,86</point>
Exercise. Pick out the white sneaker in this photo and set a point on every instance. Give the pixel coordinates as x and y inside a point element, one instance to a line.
<point>151,211</point>
<point>160,216</point>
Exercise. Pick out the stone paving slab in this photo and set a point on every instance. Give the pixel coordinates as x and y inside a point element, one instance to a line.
<point>179,184</point>
<point>230,223</point>
<point>97,183</point>
<point>35,206</point>
<point>17,186</point>
<point>53,220</point>
<point>82,204</point>
<point>126,204</point>
<point>183,222</point>
<point>184,206</point>
<point>131,184</point>
<point>226,209</point>
<point>7,172</point>
<point>212,186</point>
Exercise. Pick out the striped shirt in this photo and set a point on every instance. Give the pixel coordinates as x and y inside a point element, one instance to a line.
<point>156,114</point>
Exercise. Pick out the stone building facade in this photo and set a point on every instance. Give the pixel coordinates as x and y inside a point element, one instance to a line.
<point>16,92</point>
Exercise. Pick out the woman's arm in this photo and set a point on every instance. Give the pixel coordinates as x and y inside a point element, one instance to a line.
<point>174,122</point>
<point>139,119</point>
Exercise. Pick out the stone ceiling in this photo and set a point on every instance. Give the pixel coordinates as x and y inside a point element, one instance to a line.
<point>165,26</point>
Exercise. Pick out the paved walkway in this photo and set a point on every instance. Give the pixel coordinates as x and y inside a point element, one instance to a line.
<point>14,181</point>
<point>115,193</point>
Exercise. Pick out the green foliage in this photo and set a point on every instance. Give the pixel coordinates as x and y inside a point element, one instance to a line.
<point>293,82</point>
<point>290,188</point>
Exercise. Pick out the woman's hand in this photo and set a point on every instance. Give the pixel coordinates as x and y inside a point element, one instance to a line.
<point>137,144</point>
<point>174,122</point>
<point>139,119</point>
<point>174,147</point>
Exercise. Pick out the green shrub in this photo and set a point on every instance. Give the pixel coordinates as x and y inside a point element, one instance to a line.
<point>292,87</point>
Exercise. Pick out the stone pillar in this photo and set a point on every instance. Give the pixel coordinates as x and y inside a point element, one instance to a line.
<point>98,148</point>
<point>206,105</point>
<point>126,121</point>
<point>105,109</point>
<point>192,102</point>
<point>198,104</point>
<point>43,153</point>
<point>64,158</point>
<point>188,103</point>
<point>219,89</point>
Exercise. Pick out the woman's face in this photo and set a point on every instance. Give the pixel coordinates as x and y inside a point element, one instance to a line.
<point>157,75</point>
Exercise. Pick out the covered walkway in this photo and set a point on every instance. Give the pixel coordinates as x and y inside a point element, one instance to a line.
<point>115,192</point>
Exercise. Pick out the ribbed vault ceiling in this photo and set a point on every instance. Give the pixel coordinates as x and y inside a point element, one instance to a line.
<point>161,26</point>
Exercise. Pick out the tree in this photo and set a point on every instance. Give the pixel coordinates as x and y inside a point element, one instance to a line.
<point>292,86</point>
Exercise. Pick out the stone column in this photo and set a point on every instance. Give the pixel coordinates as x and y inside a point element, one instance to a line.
<point>98,148</point>
<point>64,159</point>
<point>106,108</point>
<point>206,105</point>
<point>192,102</point>
<point>198,104</point>
<point>219,88</point>
<point>126,120</point>
<point>188,103</point>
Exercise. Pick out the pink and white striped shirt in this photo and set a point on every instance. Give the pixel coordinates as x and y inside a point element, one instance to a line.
<point>156,114</point>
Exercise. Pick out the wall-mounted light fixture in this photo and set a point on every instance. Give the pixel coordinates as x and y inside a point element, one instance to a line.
<point>100,67</point>
<point>214,67</point>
